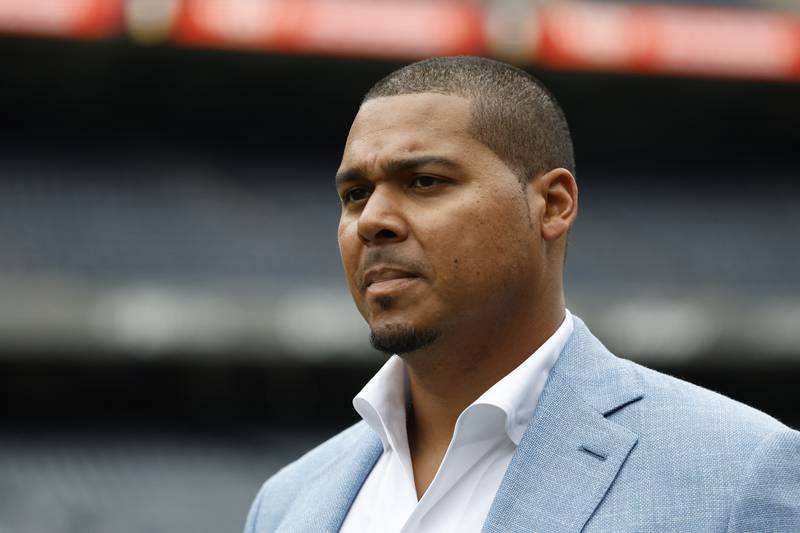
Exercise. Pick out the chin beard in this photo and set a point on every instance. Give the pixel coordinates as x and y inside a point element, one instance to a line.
<point>400,340</point>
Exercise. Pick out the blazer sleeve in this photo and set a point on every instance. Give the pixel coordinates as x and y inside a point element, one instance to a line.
<point>252,516</point>
<point>768,498</point>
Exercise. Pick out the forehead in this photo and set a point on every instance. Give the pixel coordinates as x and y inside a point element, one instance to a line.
<point>389,126</point>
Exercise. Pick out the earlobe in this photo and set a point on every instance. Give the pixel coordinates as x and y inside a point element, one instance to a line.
<point>560,193</point>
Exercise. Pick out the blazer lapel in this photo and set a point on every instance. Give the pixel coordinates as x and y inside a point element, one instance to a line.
<point>327,498</point>
<point>570,453</point>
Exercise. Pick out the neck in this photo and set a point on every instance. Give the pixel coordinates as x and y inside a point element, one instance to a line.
<point>451,374</point>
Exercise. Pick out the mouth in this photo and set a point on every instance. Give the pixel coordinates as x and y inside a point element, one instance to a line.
<point>387,279</point>
<point>390,286</point>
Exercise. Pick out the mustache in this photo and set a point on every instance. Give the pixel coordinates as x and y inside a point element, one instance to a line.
<point>390,258</point>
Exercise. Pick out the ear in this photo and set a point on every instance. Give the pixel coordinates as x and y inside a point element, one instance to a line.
<point>560,193</point>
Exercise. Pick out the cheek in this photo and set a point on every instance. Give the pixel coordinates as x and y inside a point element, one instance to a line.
<point>348,248</point>
<point>485,250</point>
<point>345,236</point>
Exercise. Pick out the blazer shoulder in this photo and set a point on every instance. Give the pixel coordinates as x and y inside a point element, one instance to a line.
<point>768,498</point>
<point>704,410</point>
<point>634,394</point>
<point>709,461</point>
<point>661,409</point>
<point>706,459</point>
<point>282,488</point>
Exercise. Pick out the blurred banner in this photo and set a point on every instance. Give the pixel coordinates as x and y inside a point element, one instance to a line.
<point>82,19</point>
<point>744,39</point>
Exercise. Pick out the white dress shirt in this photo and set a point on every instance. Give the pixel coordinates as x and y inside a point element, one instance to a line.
<point>484,440</point>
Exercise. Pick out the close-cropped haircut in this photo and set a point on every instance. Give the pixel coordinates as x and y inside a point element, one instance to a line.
<point>513,113</point>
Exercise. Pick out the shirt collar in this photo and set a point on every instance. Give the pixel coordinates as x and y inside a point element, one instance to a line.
<point>382,401</point>
<point>517,394</point>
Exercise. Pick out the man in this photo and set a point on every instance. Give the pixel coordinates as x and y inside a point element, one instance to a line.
<point>501,411</point>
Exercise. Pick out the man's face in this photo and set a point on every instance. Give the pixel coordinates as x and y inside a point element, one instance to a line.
<point>436,233</point>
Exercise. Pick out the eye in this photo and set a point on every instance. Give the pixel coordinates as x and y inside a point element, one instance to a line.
<point>355,194</point>
<point>425,182</point>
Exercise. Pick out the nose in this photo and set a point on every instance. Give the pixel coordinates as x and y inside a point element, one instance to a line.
<point>381,220</point>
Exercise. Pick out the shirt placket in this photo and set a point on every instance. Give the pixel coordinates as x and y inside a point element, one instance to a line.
<point>461,456</point>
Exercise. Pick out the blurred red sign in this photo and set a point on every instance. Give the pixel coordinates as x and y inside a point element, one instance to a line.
<point>376,28</point>
<point>683,40</point>
<point>674,40</point>
<point>86,19</point>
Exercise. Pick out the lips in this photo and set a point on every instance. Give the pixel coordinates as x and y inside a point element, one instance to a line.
<point>386,277</point>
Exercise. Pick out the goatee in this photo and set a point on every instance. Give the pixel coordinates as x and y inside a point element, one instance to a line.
<point>401,339</point>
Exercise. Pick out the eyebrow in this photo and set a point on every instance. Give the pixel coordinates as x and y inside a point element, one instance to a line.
<point>397,166</point>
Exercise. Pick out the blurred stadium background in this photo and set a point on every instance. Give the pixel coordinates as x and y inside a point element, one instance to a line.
<point>174,323</point>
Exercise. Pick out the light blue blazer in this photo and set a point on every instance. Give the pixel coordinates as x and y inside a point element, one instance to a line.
<point>612,447</point>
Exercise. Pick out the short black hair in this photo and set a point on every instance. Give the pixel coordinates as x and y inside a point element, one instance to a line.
<point>513,113</point>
